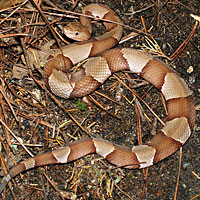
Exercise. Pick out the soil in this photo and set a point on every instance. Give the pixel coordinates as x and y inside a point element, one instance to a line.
<point>92,177</point>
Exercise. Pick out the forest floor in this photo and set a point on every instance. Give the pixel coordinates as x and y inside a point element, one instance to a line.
<point>44,122</point>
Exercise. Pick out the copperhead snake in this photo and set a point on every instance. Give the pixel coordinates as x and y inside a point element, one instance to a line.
<point>181,110</point>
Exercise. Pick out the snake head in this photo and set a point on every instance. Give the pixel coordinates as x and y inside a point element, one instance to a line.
<point>76,31</point>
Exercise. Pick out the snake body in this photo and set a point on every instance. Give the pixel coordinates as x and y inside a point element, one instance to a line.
<point>181,110</point>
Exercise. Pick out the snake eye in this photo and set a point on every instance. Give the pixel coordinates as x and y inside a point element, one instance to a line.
<point>76,33</point>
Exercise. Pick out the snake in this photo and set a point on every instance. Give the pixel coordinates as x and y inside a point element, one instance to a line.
<point>102,63</point>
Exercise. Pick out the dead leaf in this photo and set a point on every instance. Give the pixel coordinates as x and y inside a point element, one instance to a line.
<point>6,4</point>
<point>19,71</point>
<point>38,57</point>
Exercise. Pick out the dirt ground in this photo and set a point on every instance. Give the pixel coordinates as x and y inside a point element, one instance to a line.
<point>92,177</point>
